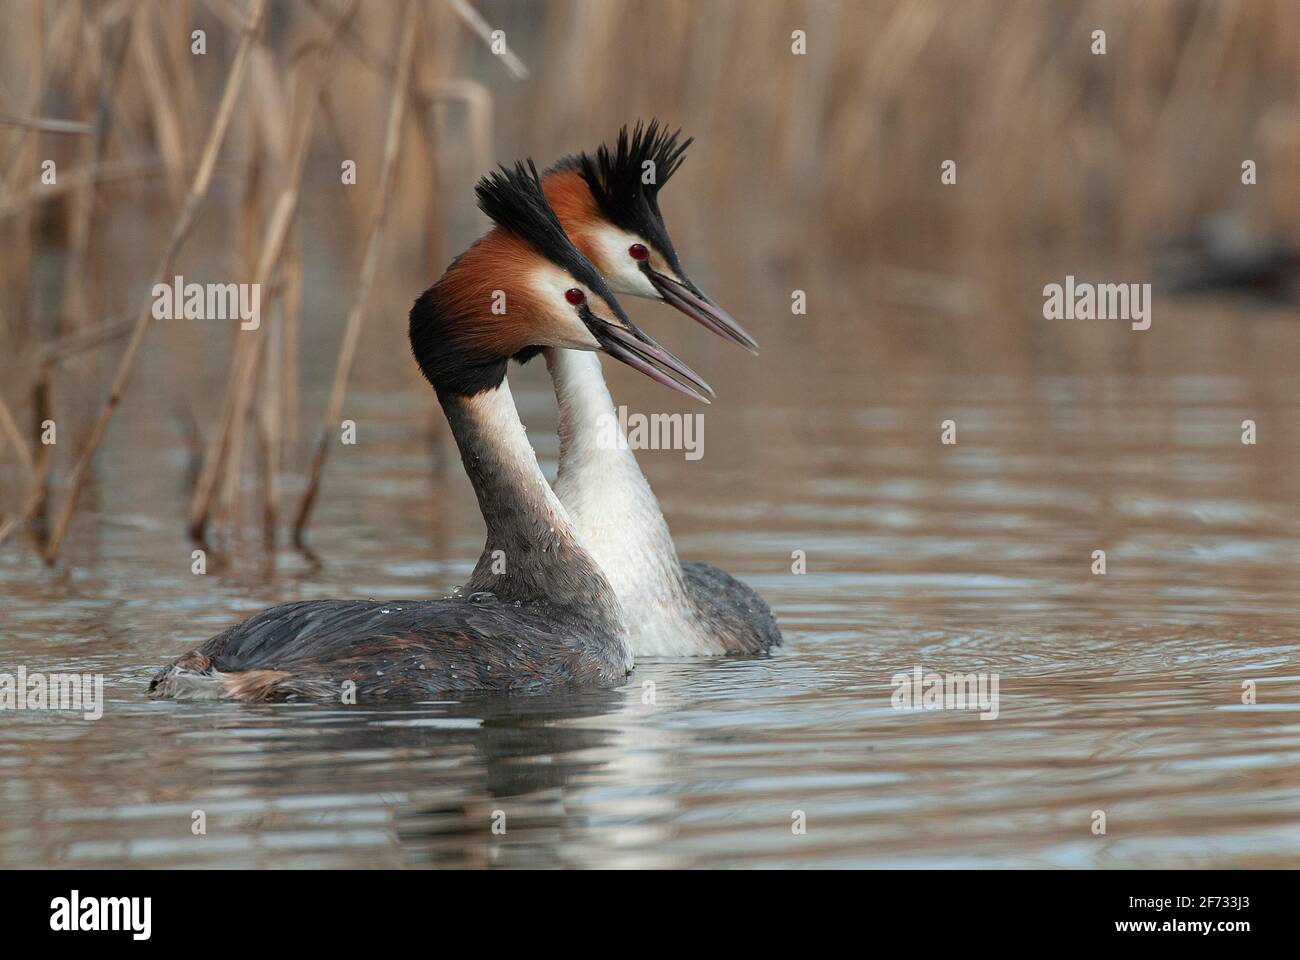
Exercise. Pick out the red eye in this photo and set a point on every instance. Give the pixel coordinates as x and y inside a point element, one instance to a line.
<point>638,251</point>
<point>575,296</point>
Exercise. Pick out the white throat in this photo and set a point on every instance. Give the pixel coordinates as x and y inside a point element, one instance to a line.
<point>617,515</point>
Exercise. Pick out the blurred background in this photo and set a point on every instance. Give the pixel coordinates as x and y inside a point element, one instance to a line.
<point>818,172</point>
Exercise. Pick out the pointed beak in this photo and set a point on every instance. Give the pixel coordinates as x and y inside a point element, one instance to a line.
<point>690,300</point>
<point>641,353</point>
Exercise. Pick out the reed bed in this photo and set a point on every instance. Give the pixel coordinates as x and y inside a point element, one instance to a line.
<point>823,162</point>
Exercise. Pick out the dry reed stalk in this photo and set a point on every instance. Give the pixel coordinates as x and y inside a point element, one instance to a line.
<point>270,427</point>
<point>429,161</point>
<point>216,474</point>
<point>251,257</point>
<point>269,433</point>
<point>356,317</point>
<point>291,269</point>
<point>166,116</point>
<point>355,42</point>
<point>68,182</point>
<point>474,95</point>
<point>226,12</point>
<point>181,230</point>
<point>37,494</point>
<point>427,96</point>
<point>84,339</point>
<point>269,155</point>
<point>177,23</point>
<point>474,20</point>
<point>12,164</point>
<point>272,109</point>
<point>21,159</point>
<point>77,308</point>
<point>47,124</point>
<point>42,411</point>
<point>9,524</point>
<point>9,429</point>
<point>48,358</point>
<point>227,440</point>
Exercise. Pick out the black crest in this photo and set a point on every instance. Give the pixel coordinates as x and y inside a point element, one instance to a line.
<point>616,179</point>
<point>515,201</point>
<point>513,198</point>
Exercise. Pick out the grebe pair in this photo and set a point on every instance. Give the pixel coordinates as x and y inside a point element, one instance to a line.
<point>571,583</point>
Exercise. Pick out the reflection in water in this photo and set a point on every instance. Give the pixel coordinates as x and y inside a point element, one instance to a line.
<point>1120,693</point>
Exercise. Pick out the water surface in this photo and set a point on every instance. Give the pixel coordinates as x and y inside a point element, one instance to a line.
<point>1119,693</point>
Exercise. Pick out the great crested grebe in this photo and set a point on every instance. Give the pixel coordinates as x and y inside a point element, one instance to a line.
<point>537,611</point>
<point>612,216</point>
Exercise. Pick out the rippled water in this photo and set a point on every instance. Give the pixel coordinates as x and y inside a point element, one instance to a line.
<point>1119,693</point>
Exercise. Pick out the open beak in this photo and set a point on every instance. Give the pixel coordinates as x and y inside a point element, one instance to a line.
<point>641,353</point>
<point>690,300</point>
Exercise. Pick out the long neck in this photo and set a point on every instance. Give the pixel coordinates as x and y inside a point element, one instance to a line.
<point>604,490</point>
<point>532,551</point>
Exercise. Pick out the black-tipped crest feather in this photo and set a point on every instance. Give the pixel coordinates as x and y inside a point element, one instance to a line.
<point>616,180</point>
<point>513,198</point>
<point>515,202</point>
